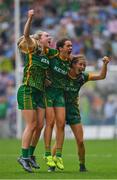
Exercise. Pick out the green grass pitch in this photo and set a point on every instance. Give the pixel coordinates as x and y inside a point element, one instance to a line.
<point>101,161</point>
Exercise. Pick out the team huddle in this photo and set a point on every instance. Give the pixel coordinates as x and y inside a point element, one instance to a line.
<point>52,79</point>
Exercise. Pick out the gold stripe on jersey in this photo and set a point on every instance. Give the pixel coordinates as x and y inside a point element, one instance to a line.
<point>28,71</point>
<point>53,55</point>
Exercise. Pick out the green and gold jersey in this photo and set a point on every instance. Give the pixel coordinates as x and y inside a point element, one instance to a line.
<point>73,87</point>
<point>50,53</point>
<point>35,68</point>
<point>57,72</point>
<point>36,63</point>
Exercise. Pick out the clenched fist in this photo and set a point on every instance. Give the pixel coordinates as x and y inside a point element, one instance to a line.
<point>106,59</point>
<point>31,13</point>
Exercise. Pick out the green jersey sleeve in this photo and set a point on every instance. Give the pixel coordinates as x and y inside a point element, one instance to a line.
<point>52,53</point>
<point>85,76</point>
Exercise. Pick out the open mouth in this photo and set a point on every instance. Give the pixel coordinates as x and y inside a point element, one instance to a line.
<point>49,42</point>
<point>70,51</point>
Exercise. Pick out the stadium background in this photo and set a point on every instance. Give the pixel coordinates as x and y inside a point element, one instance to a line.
<point>92,26</point>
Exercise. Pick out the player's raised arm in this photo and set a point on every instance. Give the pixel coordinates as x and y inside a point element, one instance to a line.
<point>102,74</point>
<point>27,43</point>
<point>28,25</point>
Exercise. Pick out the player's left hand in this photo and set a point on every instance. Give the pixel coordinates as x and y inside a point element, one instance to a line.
<point>106,59</point>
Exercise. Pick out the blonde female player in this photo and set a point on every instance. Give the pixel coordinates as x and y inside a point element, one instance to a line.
<point>30,94</point>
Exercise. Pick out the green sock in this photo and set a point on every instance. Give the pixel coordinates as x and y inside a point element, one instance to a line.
<point>58,152</point>
<point>82,159</point>
<point>47,152</point>
<point>24,153</point>
<point>31,150</point>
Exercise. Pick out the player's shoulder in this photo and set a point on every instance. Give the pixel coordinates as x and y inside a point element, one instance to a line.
<point>85,75</point>
<point>52,53</point>
<point>26,47</point>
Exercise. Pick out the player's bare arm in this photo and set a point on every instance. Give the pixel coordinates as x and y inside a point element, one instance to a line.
<point>102,74</point>
<point>27,27</point>
<point>26,42</point>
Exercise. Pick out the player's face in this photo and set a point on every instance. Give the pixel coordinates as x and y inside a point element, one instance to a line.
<point>45,39</point>
<point>80,66</point>
<point>67,48</point>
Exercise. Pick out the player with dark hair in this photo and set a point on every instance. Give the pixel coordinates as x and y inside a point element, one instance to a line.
<point>55,101</point>
<point>77,77</point>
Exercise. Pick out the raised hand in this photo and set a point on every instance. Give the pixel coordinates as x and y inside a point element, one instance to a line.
<point>106,59</point>
<point>30,13</point>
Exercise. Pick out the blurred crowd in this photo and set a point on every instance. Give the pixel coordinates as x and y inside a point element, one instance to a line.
<point>91,25</point>
<point>98,102</point>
